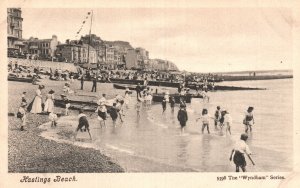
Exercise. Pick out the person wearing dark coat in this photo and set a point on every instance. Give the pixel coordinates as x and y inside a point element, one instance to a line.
<point>182,117</point>
<point>94,88</point>
<point>138,91</point>
<point>82,81</point>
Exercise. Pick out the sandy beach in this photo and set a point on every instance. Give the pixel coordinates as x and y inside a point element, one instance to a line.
<point>30,153</point>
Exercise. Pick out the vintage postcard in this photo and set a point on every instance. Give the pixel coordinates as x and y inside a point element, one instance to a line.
<point>150,93</point>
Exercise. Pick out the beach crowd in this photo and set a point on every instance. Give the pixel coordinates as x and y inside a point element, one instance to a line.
<point>44,104</point>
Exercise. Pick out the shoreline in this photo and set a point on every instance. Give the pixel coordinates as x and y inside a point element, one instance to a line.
<point>29,152</point>
<point>61,158</point>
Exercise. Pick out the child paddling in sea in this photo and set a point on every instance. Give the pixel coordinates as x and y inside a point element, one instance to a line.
<point>172,104</point>
<point>82,123</point>
<point>113,111</point>
<point>182,117</point>
<point>238,154</point>
<point>164,105</point>
<point>217,116</point>
<point>138,107</point>
<point>249,119</point>
<point>205,120</point>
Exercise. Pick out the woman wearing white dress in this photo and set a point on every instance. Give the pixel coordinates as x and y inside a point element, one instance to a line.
<point>49,104</point>
<point>37,103</point>
<point>127,99</point>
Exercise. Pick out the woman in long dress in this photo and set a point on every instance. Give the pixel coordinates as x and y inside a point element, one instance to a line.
<point>49,104</point>
<point>37,103</point>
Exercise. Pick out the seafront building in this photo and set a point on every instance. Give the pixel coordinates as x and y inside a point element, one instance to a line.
<point>76,52</point>
<point>41,48</point>
<point>14,31</point>
<point>89,49</point>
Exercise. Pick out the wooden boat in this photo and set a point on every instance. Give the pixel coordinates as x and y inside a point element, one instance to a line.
<point>17,79</point>
<point>119,86</point>
<point>187,98</point>
<point>130,87</point>
<point>141,82</point>
<point>90,106</point>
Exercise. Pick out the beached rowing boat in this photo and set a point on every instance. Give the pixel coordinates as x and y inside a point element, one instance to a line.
<point>17,79</point>
<point>130,87</point>
<point>90,106</point>
<point>150,83</point>
<point>158,97</point>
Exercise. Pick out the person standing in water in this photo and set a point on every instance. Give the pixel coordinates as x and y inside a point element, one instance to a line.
<point>138,107</point>
<point>205,120</point>
<point>113,111</point>
<point>227,122</point>
<point>238,153</point>
<point>83,122</point>
<point>164,104</point>
<point>249,119</point>
<point>217,116</point>
<point>172,104</point>
<point>182,117</point>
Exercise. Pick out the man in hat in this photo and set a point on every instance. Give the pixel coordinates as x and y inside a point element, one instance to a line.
<point>182,117</point>
<point>94,87</point>
<point>238,153</point>
<point>82,81</point>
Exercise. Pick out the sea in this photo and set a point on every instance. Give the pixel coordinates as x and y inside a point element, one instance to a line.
<point>153,142</point>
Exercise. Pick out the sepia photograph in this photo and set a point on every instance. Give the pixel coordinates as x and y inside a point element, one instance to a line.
<point>149,89</point>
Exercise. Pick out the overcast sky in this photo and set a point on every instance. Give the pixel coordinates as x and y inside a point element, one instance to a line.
<point>200,39</point>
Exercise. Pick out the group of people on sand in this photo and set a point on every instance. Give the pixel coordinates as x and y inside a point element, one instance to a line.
<point>37,106</point>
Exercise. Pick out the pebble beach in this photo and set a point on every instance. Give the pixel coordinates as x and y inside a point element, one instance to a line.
<point>28,152</point>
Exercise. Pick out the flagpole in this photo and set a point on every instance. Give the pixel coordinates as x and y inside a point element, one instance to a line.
<point>88,56</point>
